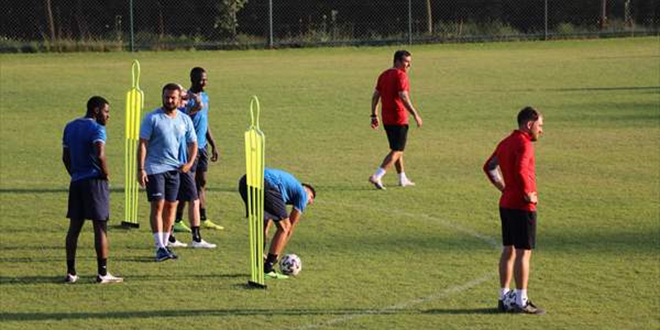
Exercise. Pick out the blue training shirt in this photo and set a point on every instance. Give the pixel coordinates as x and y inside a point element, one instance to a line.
<point>167,138</point>
<point>200,119</point>
<point>79,137</point>
<point>291,189</point>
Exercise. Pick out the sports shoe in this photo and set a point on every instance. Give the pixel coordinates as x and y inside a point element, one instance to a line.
<point>181,227</point>
<point>176,243</point>
<point>162,254</point>
<point>172,255</point>
<point>70,278</point>
<point>376,182</point>
<point>210,225</point>
<point>276,275</point>
<point>530,308</point>
<point>202,244</point>
<point>108,278</point>
<point>406,183</point>
<point>500,306</point>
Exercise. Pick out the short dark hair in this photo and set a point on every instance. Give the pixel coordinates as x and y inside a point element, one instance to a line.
<point>310,188</point>
<point>400,54</point>
<point>528,114</point>
<point>171,87</point>
<point>95,102</point>
<point>196,72</point>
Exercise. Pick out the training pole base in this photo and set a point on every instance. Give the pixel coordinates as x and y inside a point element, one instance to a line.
<point>256,285</point>
<point>127,224</point>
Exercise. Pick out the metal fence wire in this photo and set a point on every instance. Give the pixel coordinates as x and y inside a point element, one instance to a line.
<point>77,25</point>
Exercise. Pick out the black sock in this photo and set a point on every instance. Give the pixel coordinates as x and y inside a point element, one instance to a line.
<point>270,262</point>
<point>172,239</point>
<point>102,266</point>
<point>196,236</point>
<point>71,266</point>
<point>179,216</point>
<point>202,213</point>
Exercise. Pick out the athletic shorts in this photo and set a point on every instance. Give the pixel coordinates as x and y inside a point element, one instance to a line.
<point>202,161</point>
<point>397,135</point>
<point>163,186</point>
<point>89,199</point>
<point>274,207</point>
<point>518,228</point>
<point>187,187</point>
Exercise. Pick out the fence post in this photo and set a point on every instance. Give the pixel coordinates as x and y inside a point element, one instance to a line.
<point>270,24</point>
<point>545,35</point>
<point>130,6</point>
<point>410,22</point>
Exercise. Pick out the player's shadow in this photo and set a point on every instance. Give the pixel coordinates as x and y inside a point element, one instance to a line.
<point>461,311</point>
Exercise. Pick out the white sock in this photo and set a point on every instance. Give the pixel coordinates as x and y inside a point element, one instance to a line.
<point>403,177</point>
<point>379,173</point>
<point>521,297</point>
<point>158,238</point>
<point>166,238</point>
<point>503,292</point>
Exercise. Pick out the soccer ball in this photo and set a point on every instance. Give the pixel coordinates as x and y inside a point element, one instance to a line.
<point>509,300</point>
<point>290,265</point>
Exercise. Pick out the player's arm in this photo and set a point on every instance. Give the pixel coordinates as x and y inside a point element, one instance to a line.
<point>214,150</point>
<point>192,155</point>
<point>100,151</point>
<point>492,170</point>
<point>197,104</point>
<point>405,97</point>
<point>374,109</point>
<point>294,218</point>
<point>525,174</point>
<point>66,159</point>
<point>141,157</point>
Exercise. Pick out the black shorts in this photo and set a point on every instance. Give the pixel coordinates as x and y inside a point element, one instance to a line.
<point>202,161</point>
<point>274,207</point>
<point>163,186</point>
<point>397,135</point>
<point>187,187</point>
<point>518,228</point>
<point>89,199</point>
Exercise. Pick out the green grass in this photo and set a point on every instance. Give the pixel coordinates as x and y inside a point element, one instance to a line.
<point>420,258</point>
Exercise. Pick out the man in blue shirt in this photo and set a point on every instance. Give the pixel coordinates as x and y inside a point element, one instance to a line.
<point>83,155</point>
<point>280,189</point>
<point>197,108</point>
<point>163,133</point>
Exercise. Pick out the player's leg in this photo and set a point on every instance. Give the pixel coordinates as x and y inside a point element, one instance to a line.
<point>101,246</point>
<point>277,244</point>
<point>75,225</point>
<point>156,198</point>
<point>188,192</point>
<point>179,225</point>
<point>275,210</point>
<point>200,180</point>
<point>525,241</point>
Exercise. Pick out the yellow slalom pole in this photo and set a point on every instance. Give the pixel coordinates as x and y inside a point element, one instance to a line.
<point>134,105</point>
<point>255,146</point>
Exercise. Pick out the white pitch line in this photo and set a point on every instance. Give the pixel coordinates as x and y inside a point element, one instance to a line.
<point>406,304</point>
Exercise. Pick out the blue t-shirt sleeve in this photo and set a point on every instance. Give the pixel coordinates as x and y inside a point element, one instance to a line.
<point>99,134</point>
<point>146,128</point>
<point>65,144</point>
<point>300,199</point>
<point>190,130</point>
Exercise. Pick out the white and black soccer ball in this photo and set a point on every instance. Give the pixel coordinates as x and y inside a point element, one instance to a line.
<point>290,265</point>
<point>509,300</point>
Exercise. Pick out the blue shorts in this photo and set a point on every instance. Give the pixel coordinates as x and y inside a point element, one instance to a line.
<point>187,187</point>
<point>163,186</point>
<point>274,207</point>
<point>202,161</point>
<point>89,199</point>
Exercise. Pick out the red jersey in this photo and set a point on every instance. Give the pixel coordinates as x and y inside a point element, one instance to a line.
<point>515,156</point>
<point>390,83</point>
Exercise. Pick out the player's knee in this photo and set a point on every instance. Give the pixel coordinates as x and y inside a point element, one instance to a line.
<point>201,181</point>
<point>508,252</point>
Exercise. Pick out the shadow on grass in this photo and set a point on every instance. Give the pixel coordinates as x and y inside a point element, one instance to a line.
<point>90,279</point>
<point>462,311</point>
<point>114,189</point>
<point>197,312</point>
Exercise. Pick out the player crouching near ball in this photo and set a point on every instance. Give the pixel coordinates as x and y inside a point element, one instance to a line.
<point>280,189</point>
<point>511,170</point>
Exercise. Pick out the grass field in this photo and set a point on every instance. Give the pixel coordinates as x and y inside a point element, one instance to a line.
<point>419,258</point>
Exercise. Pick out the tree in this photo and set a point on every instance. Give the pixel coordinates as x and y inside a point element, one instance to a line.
<point>227,20</point>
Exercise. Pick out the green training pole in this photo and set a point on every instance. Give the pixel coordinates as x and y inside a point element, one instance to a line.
<point>134,105</point>
<point>255,146</point>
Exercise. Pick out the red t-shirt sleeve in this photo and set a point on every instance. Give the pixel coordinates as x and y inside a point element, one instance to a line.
<point>379,84</point>
<point>525,166</point>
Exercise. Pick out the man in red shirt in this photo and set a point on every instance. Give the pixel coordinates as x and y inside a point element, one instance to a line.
<point>393,92</point>
<point>511,170</point>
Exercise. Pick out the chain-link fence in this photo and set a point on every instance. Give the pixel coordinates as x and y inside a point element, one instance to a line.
<point>79,25</point>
